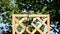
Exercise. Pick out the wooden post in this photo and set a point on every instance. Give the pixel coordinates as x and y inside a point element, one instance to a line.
<point>13,25</point>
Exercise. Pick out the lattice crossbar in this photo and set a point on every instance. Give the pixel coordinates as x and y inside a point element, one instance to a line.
<point>16,22</point>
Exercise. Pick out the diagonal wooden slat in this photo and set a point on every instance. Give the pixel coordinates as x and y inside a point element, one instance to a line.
<point>28,30</point>
<point>45,31</point>
<point>23,19</point>
<point>14,25</point>
<point>16,31</point>
<point>23,25</point>
<point>20,23</point>
<point>22,31</point>
<point>37,28</point>
<point>43,22</point>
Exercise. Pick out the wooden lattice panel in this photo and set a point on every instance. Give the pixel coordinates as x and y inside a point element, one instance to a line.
<point>37,28</point>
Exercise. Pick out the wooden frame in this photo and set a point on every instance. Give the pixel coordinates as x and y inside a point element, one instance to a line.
<point>14,19</point>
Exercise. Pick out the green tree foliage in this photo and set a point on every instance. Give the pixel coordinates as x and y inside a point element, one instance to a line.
<point>10,7</point>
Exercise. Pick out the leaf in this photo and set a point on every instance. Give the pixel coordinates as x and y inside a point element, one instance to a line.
<point>43,9</point>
